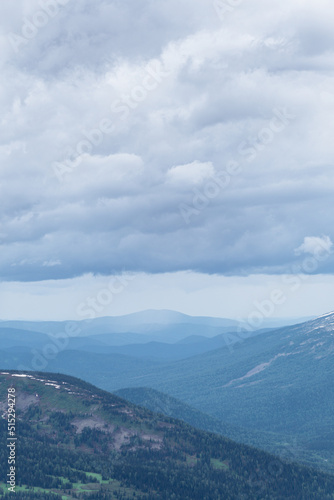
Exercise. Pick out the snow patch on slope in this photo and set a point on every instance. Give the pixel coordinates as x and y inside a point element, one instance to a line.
<point>259,368</point>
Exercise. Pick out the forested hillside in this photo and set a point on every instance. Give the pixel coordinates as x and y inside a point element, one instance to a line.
<point>78,441</point>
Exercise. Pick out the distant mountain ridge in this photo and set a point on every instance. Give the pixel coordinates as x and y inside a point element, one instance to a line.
<point>140,322</point>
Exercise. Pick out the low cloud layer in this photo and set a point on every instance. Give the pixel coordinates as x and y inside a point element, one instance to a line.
<point>161,137</point>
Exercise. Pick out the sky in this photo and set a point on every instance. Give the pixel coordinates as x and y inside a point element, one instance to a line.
<point>166,155</point>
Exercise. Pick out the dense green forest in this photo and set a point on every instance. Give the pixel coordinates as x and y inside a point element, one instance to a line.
<point>78,441</point>
<point>291,447</point>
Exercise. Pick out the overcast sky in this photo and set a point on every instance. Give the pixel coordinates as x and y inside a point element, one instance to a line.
<point>186,144</point>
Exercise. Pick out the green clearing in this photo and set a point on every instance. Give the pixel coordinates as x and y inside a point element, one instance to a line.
<point>218,465</point>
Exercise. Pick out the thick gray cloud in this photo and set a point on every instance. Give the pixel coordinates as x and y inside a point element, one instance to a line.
<point>157,137</point>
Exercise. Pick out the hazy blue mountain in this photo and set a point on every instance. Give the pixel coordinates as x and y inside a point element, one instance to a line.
<point>143,327</point>
<point>135,322</point>
<point>131,344</point>
<point>27,345</point>
<point>188,347</point>
<point>170,325</point>
<point>98,368</point>
<point>12,337</point>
